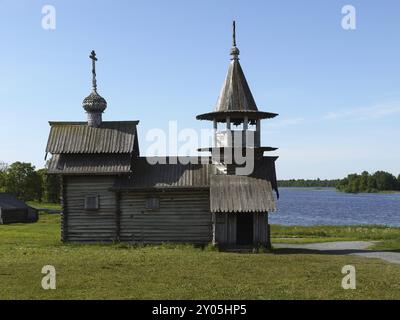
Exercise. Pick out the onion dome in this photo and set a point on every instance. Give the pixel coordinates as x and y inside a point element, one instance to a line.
<point>94,103</point>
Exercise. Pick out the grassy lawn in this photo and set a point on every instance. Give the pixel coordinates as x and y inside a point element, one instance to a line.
<point>179,272</point>
<point>44,205</point>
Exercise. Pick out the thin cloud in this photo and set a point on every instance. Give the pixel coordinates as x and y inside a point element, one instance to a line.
<point>378,111</point>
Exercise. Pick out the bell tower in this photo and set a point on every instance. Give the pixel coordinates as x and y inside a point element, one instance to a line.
<point>236,119</point>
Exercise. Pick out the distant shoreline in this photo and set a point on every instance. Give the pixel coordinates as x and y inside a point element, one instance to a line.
<point>378,182</point>
<point>317,188</point>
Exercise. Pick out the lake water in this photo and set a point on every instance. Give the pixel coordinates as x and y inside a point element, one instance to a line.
<point>326,206</point>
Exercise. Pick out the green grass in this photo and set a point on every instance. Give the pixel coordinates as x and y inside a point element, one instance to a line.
<point>391,245</point>
<point>388,237</point>
<point>364,232</point>
<point>121,271</point>
<point>44,205</point>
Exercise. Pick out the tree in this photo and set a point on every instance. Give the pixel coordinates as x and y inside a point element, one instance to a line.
<point>51,186</point>
<point>364,181</point>
<point>372,186</point>
<point>3,170</point>
<point>22,180</point>
<point>385,181</point>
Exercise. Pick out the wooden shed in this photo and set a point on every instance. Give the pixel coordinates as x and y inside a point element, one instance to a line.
<point>13,210</point>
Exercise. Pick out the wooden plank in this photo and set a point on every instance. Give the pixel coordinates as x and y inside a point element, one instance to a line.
<point>99,225</point>
<point>182,217</point>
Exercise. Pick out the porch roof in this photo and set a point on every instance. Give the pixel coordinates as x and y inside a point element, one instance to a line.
<point>240,194</point>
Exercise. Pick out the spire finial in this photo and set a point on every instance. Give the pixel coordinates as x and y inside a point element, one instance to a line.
<point>234,33</point>
<point>94,59</point>
<point>234,51</point>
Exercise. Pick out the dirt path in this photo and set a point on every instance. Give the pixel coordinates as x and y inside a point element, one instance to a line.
<point>359,248</point>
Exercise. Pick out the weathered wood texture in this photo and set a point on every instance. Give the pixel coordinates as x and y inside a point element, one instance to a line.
<point>64,210</point>
<point>226,229</point>
<point>260,227</point>
<point>183,217</point>
<point>230,194</point>
<point>78,138</point>
<point>81,225</point>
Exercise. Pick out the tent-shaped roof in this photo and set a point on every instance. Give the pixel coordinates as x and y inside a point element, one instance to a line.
<point>235,99</point>
<point>10,201</point>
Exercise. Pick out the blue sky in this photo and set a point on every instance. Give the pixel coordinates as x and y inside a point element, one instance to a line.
<point>337,91</point>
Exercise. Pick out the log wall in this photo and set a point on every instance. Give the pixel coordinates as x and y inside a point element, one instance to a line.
<point>80,225</point>
<point>183,217</point>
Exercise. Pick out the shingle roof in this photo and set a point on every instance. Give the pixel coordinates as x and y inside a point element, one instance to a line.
<point>235,99</point>
<point>170,175</point>
<point>78,137</point>
<point>90,164</point>
<point>239,194</point>
<point>235,93</point>
<point>9,201</point>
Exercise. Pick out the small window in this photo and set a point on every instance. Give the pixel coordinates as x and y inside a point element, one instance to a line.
<point>92,202</point>
<point>152,204</point>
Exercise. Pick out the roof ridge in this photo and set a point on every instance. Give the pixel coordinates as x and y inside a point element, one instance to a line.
<point>85,122</point>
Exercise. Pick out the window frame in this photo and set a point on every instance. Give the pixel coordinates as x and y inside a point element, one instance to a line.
<point>97,202</point>
<point>152,203</point>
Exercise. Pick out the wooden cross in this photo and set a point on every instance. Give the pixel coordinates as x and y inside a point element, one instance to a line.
<point>94,59</point>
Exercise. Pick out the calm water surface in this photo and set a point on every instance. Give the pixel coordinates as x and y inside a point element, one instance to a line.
<point>326,206</point>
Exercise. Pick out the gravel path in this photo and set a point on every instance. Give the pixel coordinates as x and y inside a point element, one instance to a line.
<point>359,248</point>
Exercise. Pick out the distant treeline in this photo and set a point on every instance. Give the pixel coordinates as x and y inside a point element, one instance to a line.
<point>308,183</point>
<point>27,183</point>
<point>354,183</point>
